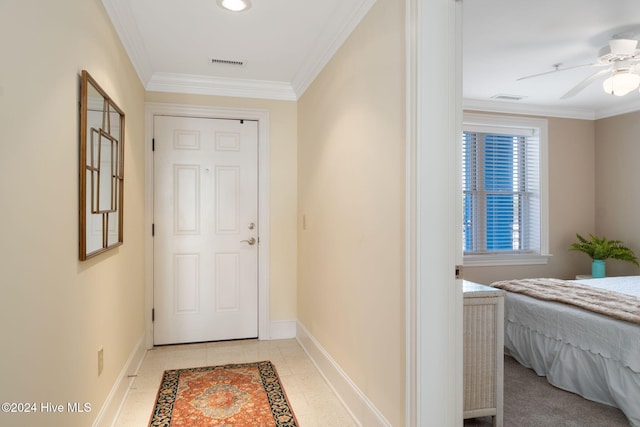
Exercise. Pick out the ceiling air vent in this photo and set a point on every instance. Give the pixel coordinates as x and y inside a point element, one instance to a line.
<point>508,97</point>
<point>219,61</point>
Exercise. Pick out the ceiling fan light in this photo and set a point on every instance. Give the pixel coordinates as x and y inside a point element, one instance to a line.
<point>621,83</point>
<point>235,5</point>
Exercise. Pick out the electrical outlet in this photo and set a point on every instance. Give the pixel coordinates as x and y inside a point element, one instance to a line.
<point>100,360</point>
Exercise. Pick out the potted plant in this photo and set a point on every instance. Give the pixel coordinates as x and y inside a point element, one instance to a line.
<point>600,249</point>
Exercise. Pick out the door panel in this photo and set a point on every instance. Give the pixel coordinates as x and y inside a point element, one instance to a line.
<point>206,230</point>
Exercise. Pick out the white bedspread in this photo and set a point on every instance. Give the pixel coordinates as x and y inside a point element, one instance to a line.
<point>587,353</point>
<point>629,285</point>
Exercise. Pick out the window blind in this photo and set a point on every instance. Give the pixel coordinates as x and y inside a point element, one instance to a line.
<point>501,190</point>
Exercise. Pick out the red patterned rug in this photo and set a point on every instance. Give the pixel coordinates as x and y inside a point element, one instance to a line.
<point>239,395</point>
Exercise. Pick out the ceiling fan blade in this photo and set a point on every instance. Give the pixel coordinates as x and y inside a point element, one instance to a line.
<point>583,84</point>
<point>557,70</point>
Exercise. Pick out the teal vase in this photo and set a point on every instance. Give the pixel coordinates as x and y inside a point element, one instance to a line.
<point>598,268</point>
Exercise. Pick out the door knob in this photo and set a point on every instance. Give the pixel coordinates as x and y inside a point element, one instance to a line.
<point>251,241</point>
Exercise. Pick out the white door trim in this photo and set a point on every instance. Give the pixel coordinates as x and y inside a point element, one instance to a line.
<point>262,116</point>
<point>434,301</point>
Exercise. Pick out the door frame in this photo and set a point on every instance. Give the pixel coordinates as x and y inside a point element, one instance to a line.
<point>153,109</point>
<point>434,298</point>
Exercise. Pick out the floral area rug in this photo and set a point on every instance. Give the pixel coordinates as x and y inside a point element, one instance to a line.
<point>237,395</point>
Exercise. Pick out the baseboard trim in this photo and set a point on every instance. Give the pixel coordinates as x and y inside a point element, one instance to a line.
<point>361,409</point>
<point>282,329</point>
<point>111,408</point>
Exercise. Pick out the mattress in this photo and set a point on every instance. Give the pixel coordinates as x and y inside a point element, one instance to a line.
<point>577,350</point>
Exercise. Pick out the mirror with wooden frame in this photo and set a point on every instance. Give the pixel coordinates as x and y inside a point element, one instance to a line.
<point>101,170</point>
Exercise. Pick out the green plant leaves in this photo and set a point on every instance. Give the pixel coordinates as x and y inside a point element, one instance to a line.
<point>602,248</point>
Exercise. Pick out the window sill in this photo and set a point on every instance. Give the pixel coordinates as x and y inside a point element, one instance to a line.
<point>492,260</point>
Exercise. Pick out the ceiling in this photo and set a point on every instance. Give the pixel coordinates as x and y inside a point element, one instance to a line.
<point>283,45</point>
<point>504,40</point>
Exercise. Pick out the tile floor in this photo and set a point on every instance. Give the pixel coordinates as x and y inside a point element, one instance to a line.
<point>312,400</point>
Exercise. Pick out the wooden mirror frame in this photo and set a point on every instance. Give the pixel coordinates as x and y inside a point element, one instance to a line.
<point>101,170</point>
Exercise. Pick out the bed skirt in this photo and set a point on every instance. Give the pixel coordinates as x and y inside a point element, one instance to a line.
<point>591,375</point>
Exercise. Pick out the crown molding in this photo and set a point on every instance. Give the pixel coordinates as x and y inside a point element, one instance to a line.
<point>547,111</point>
<point>219,86</point>
<point>328,44</point>
<point>528,109</point>
<point>121,17</point>
<point>627,108</point>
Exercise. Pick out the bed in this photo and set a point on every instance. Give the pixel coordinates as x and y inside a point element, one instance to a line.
<point>585,352</point>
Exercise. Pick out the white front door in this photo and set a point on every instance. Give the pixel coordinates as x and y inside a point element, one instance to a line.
<point>205,229</point>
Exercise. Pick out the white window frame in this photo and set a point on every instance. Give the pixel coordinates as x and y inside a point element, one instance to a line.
<point>507,124</point>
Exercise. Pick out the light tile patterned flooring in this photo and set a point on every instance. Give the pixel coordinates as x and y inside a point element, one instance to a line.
<point>312,400</point>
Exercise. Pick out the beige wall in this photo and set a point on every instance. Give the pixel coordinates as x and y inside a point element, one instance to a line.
<point>336,159</point>
<point>571,204</point>
<point>351,197</point>
<point>617,159</point>
<point>55,310</point>
<point>282,188</point>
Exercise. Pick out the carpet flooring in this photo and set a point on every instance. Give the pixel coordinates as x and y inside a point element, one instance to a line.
<point>530,401</point>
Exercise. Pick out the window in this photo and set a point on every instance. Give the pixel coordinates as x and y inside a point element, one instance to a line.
<point>504,190</point>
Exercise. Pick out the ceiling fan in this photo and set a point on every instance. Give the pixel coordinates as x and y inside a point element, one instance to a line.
<point>622,59</point>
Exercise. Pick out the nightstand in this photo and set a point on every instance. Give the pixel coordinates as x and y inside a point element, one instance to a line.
<point>483,351</point>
